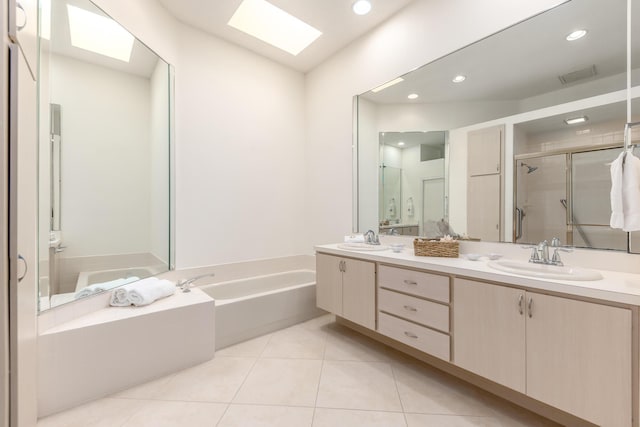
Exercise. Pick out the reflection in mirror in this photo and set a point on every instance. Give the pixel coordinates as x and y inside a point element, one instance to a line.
<point>563,178</point>
<point>104,154</point>
<point>507,117</point>
<point>412,168</point>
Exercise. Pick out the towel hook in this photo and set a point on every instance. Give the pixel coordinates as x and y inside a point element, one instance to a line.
<point>627,133</point>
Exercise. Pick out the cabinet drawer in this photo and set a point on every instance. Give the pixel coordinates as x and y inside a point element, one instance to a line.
<point>426,285</point>
<point>417,310</point>
<point>419,337</point>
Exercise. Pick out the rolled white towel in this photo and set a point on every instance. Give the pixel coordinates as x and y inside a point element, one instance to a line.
<point>147,291</point>
<point>104,286</point>
<point>120,297</point>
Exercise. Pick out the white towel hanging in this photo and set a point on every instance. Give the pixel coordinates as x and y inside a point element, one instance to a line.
<point>625,192</point>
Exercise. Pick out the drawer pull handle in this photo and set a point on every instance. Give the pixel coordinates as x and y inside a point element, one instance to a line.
<point>410,335</point>
<point>521,303</point>
<point>409,308</point>
<point>410,282</point>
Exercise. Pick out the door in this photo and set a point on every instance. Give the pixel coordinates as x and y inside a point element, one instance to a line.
<point>329,283</point>
<point>22,203</point>
<point>485,151</point>
<point>483,206</point>
<point>489,331</point>
<point>359,292</point>
<point>579,358</point>
<point>433,200</point>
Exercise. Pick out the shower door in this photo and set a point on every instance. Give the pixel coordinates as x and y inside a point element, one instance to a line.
<point>541,188</point>
<point>590,208</point>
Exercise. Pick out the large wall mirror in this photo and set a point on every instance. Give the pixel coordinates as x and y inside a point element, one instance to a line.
<point>530,118</point>
<point>104,154</point>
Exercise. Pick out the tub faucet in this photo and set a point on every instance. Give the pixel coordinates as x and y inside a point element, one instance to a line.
<point>185,284</point>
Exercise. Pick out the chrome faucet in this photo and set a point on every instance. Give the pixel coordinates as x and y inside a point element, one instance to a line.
<point>371,238</point>
<point>185,284</point>
<point>540,253</point>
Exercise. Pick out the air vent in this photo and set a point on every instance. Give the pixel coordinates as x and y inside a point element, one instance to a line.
<point>575,76</point>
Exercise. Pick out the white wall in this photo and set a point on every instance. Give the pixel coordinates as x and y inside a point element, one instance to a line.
<point>409,39</point>
<point>105,197</point>
<point>239,143</point>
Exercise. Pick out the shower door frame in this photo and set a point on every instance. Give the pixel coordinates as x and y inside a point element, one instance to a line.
<point>568,153</point>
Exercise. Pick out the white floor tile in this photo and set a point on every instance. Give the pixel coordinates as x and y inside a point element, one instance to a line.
<point>148,390</point>
<point>100,413</point>
<point>429,391</point>
<point>347,417</point>
<point>291,382</point>
<point>250,348</point>
<point>215,381</point>
<point>422,420</point>
<point>171,414</point>
<point>266,416</point>
<point>297,342</point>
<point>345,344</point>
<point>358,385</point>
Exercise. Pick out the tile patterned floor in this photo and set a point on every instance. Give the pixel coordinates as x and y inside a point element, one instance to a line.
<point>315,374</point>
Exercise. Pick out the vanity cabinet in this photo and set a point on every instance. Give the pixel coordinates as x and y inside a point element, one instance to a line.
<point>413,308</point>
<point>346,287</point>
<point>571,354</point>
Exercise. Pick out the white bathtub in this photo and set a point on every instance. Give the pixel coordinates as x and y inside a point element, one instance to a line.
<point>250,307</point>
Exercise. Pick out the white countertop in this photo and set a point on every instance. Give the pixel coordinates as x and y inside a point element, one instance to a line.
<point>613,287</point>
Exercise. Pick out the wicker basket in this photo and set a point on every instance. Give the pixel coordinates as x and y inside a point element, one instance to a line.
<point>436,248</point>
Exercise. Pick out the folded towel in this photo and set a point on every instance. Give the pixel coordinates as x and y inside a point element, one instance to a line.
<point>142,293</point>
<point>354,238</point>
<point>625,192</point>
<point>617,214</point>
<point>631,192</point>
<point>104,286</point>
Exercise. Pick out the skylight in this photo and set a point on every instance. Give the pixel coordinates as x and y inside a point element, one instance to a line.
<point>273,25</point>
<point>99,34</point>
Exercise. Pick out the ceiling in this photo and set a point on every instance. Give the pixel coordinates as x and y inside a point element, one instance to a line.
<point>334,18</point>
<point>525,60</point>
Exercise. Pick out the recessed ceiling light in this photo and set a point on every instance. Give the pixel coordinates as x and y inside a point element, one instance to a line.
<point>576,120</point>
<point>578,34</point>
<point>387,84</point>
<point>99,34</point>
<point>361,7</point>
<point>400,143</point>
<point>459,78</point>
<point>273,25</point>
<point>413,96</point>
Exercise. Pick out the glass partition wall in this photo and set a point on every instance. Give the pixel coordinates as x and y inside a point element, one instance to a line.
<point>533,115</point>
<point>104,156</point>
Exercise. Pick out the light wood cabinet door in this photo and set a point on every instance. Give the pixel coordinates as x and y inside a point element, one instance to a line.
<point>359,292</point>
<point>489,331</point>
<point>484,150</point>
<point>579,358</point>
<point>329,283</point>
<point>483,207</point>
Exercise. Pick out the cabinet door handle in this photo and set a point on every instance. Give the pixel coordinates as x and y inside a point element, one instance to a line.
<point>409,308</point>
<point>410,282</point>
<point>26,268</point>
<point>521,304</point>
<point>344,266</point>
<point>530,306</point>
<point>410,334</point>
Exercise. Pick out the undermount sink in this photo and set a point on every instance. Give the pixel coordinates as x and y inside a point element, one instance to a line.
<point>362,247</point>
<point>545,271</point>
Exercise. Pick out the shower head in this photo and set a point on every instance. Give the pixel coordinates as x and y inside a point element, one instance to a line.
<point>529,168</point>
